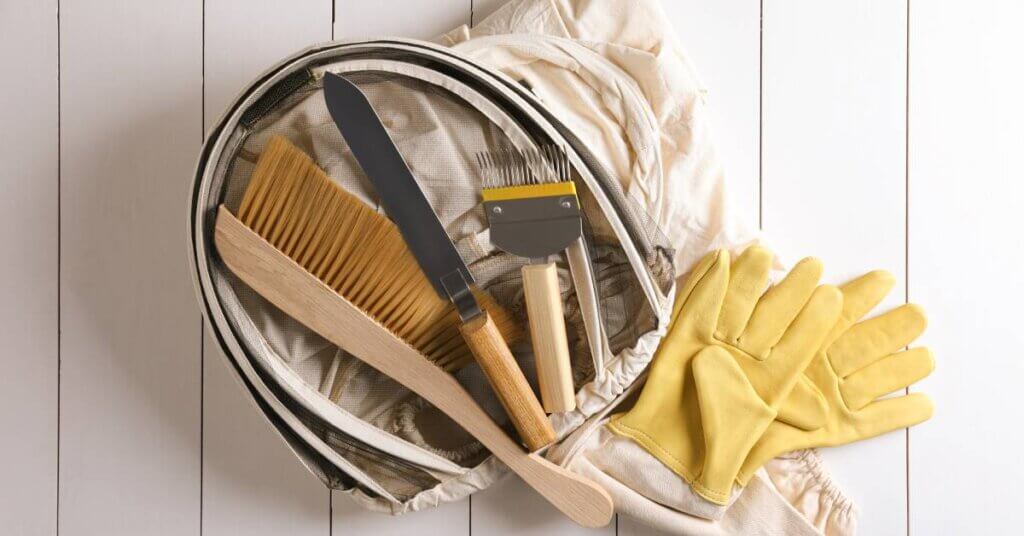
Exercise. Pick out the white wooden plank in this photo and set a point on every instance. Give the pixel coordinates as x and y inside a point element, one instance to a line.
<point>245,37</point>
<point>833,180</point>
<point>967,198</point>
<point>28,273</point>
<point>252,483</point>
<point>723,42</point>
<point>511,507</point>
<point>130,341</point>
<point>350,519</point>
<point>421,19</point>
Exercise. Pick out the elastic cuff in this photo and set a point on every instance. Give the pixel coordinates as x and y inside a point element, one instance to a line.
<point>814,464</point>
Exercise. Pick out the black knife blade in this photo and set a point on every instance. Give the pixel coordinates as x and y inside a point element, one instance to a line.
<point>403,200</point>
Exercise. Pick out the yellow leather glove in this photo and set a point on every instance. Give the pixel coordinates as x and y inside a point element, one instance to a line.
<point>860,362</point>
<point>731,356</point>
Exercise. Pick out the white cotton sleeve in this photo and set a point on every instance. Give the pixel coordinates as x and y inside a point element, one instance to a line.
<point>807,503</point>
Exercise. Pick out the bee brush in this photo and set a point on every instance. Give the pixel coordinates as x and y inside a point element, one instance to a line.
<point>313,250</point>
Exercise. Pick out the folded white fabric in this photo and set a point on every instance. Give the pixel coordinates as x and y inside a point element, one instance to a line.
<point>802,479</point>
<point>613,71</point>
<point>790,496</point>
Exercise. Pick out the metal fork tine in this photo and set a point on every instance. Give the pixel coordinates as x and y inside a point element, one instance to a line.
<point>524,164</point>
<point>552,166</point>
<point>524,169</point>
<point>556,167</point>
<point>509,166</point>
<point>484,172</point>
<point>542,164</point>
<point>565,163</point>
<point>536,168</point>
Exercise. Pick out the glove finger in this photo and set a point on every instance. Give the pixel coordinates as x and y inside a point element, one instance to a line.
<point>700,298</point>
<point>886,375</point>
<point>747,282</point>
<point>805,407</point>
<point>876,419</point>
<point>778,307</point>
<point>801,341</point>
<point>860,296</point>
<point>887,415</point>
<point>875,338</point>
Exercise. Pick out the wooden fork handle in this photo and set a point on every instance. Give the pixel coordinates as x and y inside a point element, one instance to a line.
<point>508,382</point>
<point>547,334</point>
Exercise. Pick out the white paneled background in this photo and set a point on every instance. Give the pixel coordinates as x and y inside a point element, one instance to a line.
<point>874,134</point>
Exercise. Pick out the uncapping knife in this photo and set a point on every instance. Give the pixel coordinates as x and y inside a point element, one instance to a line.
<point>408,208</point>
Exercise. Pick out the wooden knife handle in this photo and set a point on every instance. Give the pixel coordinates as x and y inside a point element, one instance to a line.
<point>547,333</point>
<point>508,382</point>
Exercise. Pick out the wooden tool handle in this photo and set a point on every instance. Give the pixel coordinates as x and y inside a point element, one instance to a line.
<point>305,298</point>
<point>508,382</point>
<point>547,333</point>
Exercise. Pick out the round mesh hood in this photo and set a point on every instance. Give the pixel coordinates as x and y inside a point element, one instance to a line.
<point>352,426</point>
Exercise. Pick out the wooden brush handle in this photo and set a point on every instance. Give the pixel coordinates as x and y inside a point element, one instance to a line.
<point>305,298</point>
<point>507,381</point>
<point>547,333</point>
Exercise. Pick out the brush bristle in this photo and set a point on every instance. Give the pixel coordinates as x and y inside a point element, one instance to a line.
<point>359,253</point>
<point>536,166</point>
